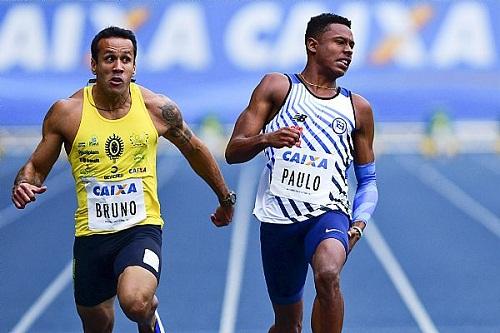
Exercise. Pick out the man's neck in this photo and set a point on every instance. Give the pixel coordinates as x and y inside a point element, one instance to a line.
<point>105,101</point>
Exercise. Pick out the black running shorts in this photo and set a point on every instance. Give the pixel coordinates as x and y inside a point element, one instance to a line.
<point>98,260</point>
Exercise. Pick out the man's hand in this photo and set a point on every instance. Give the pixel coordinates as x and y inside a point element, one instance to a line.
<point>355,234</point>
<point>24,193</point>
<point>222,216</point>
<point>285,137</point>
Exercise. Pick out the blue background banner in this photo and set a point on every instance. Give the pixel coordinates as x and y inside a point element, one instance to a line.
<point>411,58</point>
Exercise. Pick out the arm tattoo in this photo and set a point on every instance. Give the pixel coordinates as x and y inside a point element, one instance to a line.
<point>171,115</point>
<point>176,129</point>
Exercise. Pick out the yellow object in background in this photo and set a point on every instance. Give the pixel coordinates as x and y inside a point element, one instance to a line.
<point>440,138</point>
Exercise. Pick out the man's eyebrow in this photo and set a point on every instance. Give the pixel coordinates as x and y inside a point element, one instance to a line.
<point>112,50</point>
<point>351,41</point>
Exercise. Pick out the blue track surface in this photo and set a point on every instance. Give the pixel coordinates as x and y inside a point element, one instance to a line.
<point>449,257</point>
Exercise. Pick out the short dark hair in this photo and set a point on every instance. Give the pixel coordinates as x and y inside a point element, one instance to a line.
<point>318,24</point>
<point>112,32</point>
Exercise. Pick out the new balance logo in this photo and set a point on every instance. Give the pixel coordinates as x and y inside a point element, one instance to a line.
<point>300,117</point>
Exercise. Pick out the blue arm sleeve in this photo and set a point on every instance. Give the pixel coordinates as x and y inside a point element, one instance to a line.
<point>366,197</point>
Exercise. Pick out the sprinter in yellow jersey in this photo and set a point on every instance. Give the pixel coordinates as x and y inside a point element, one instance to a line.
<point>110,132</point>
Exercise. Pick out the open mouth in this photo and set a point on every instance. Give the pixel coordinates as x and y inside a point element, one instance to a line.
<point>116,80</point>
<point>344,61</point>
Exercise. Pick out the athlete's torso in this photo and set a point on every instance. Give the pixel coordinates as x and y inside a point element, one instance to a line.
<point>302,182</point>
<point>114,166</point>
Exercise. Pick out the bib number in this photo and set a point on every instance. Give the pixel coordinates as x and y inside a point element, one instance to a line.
<point>302,174</point>
<point>115,205</point>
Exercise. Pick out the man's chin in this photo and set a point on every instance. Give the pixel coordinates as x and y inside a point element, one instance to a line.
<point>120,88</point>
<point>340,72</point>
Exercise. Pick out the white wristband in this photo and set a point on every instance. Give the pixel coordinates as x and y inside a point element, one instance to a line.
<point>359,230</point>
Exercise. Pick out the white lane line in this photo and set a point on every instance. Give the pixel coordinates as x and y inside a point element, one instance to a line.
<point>64,278</point>
<point>454,194</point>
<point>47,297</point>
<point>160,324</point>
<point>398,277</point>
<point>241,221</point>
<point>55,185</point>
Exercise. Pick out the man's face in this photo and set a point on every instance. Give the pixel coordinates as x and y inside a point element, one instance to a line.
<point>115,64</point>
<point>333,49</point>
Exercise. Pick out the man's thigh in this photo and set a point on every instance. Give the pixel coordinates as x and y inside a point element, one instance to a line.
<point>283,260</point>
<point>100,259</point>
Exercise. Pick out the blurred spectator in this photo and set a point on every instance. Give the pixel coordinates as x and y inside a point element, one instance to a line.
<point>440,138</point>
<point>211,131</point>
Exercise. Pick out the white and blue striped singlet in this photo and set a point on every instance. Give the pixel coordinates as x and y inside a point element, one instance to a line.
<point>325,154</point>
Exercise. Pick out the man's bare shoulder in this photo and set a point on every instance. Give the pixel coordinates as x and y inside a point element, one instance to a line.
<point>164,112</point>
<point>361,105</point>
<point>77,95</point>
<point>275,81</point>
<point>363,111</point>
<point>70,104</point>
<point>273,88</point>
<point>154,101</point>
<point>63,118</point>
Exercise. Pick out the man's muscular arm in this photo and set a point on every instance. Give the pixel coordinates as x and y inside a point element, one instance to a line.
<point>178,132</point>
<point>30,178</point>
<point>366,197</point>
<point>195,151</point>
<point>247,140</point>
<point>364,133</point>
<point>198,156</point>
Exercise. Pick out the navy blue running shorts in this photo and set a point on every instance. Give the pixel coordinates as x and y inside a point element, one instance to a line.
<point>287,250</point>
<point>98,260</point>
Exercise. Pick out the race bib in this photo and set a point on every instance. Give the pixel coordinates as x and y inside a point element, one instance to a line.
<point>302,174</point>
<point>115,205</point>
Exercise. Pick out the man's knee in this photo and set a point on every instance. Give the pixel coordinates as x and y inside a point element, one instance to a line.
<point>136,306</point>
<point>327,281</point>
<point>136,289</point>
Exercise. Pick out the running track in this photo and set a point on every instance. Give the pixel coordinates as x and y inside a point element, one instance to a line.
<point>430,261</point>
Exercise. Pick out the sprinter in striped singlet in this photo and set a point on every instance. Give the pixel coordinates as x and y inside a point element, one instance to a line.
<point>311,131</point>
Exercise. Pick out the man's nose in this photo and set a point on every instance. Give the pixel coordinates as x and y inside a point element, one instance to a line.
<point>118,66</point>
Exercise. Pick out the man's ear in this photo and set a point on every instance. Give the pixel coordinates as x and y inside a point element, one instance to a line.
<point>311,45</point>
<point>93,65</point>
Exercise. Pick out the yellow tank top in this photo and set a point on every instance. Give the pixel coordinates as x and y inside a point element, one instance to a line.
<point>114,167</point>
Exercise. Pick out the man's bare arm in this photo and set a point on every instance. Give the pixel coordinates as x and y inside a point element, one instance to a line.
<point>364,133</point>
<point>198,156</point>
<point>247,139</point>
<point>366,196</point>
<point>30,178</point>
<point>195,151</point>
